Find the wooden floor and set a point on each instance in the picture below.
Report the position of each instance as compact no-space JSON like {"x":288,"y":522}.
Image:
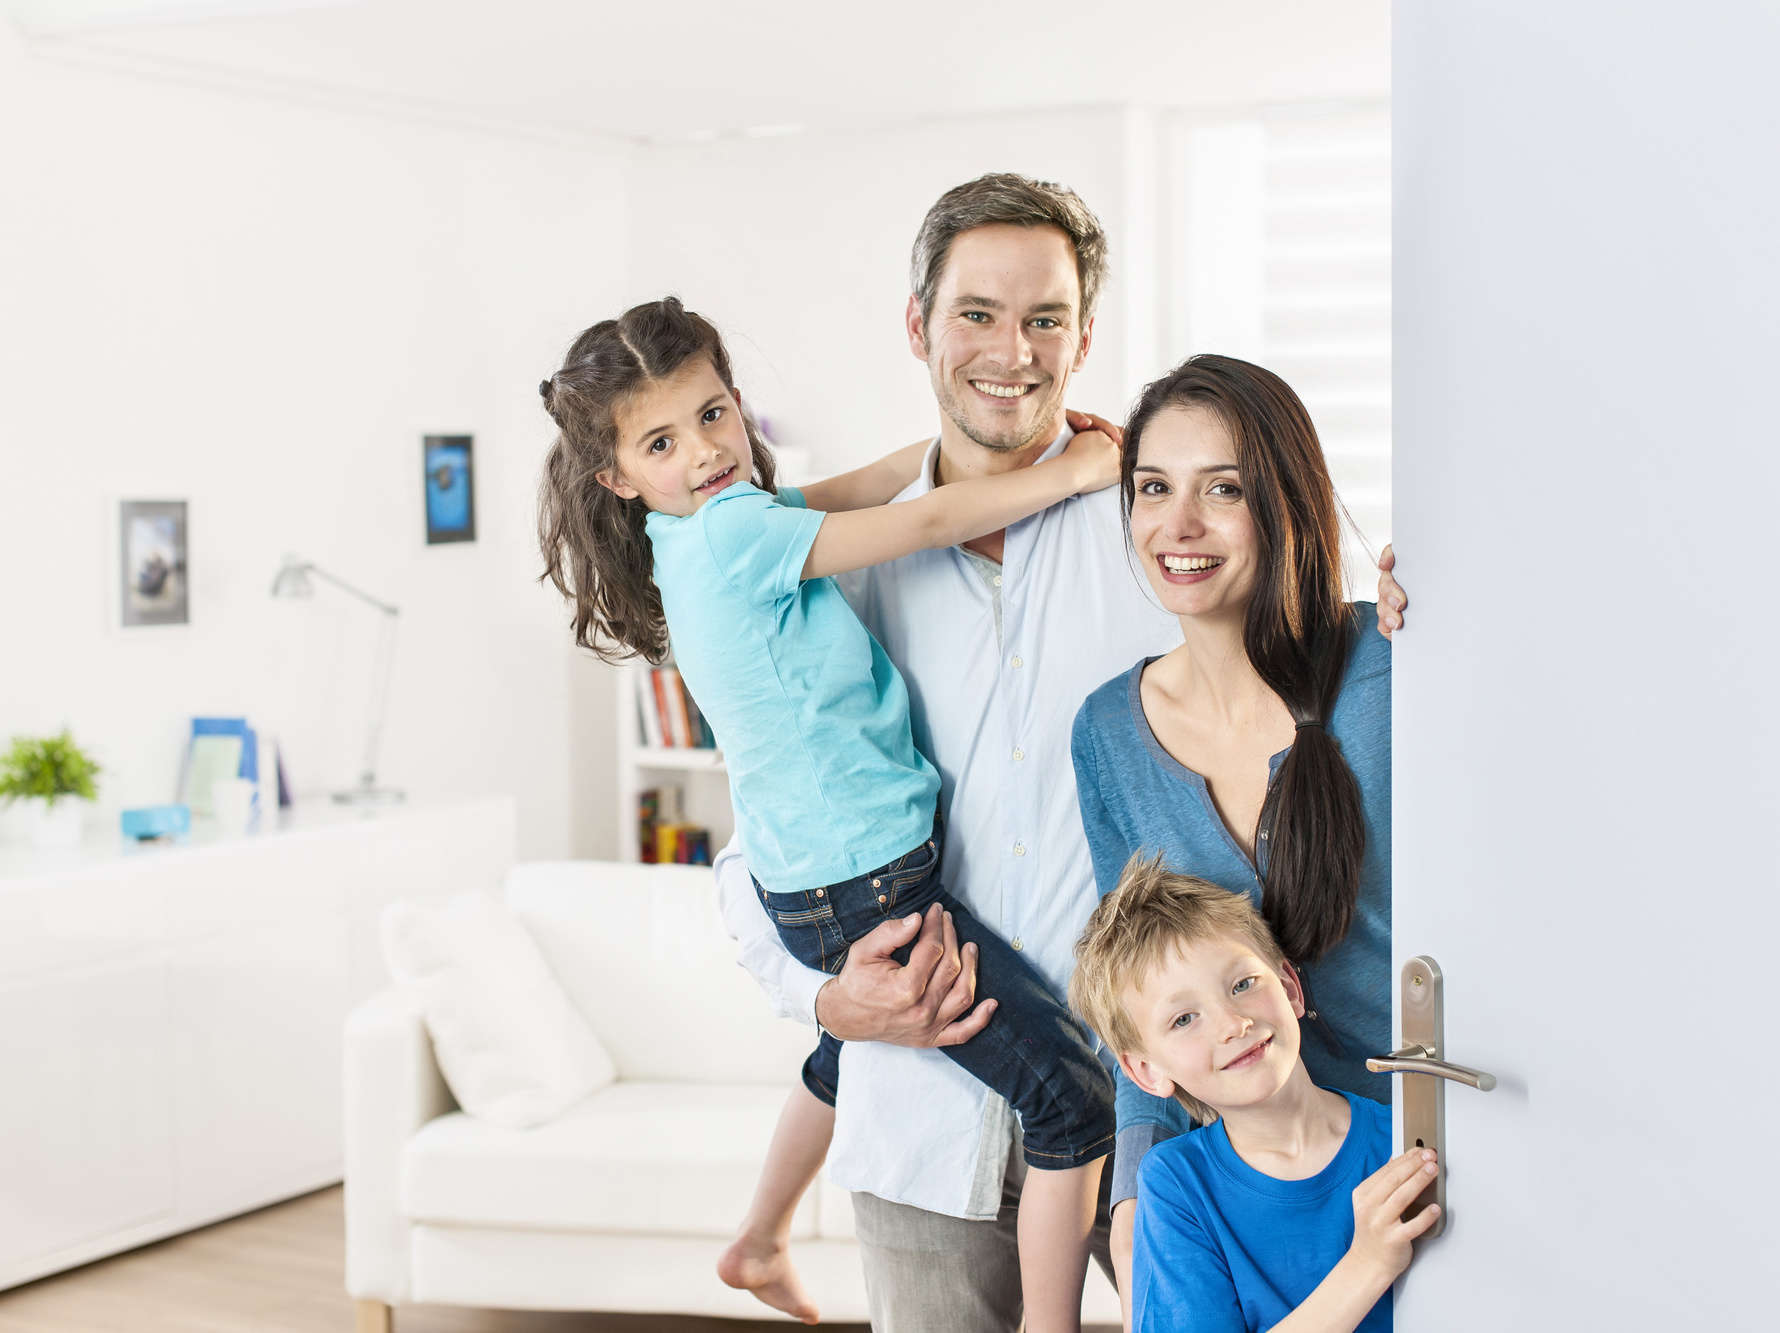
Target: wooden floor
{"x":280,"y":1270}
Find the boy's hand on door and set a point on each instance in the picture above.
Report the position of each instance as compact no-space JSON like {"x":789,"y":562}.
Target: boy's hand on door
{"x":1381,"y":1236}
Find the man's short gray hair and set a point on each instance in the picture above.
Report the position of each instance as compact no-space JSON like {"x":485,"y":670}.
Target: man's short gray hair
{"x":1005,"y":198}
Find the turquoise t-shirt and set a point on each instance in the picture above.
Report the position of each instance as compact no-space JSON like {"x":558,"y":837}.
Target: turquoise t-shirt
{"x":812,"y":717}
{"x":1223,"y":1248}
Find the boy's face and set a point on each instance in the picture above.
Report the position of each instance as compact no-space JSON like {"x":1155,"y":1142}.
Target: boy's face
{"x":1218,"y":1022}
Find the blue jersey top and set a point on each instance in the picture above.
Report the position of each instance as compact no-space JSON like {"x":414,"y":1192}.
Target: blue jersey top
{"x":812,"y":717}
{"x":1224,"y":1248}
{"x":1136,"y":797}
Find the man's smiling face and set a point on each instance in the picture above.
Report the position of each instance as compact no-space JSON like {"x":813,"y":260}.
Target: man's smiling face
{"x":1004,"y":335}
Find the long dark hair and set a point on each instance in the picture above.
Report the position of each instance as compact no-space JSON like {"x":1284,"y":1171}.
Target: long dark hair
{"x":595,"y":549}
{"x":1297,"y":634}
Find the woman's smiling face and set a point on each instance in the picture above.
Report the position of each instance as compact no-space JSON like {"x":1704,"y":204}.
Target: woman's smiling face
{"x":1190,"y":523}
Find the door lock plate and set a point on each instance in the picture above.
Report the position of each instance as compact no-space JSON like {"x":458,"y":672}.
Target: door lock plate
{"x":1424,"y":1090}
{"x":1424,"y":1098}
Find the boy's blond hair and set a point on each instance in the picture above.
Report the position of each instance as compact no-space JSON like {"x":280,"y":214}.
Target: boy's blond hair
{"x":1136,"y":927}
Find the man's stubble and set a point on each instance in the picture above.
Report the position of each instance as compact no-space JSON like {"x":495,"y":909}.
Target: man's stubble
{"x":1041,"y":430}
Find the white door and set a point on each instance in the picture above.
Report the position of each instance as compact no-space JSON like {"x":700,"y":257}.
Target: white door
{"x":1587,"y":710}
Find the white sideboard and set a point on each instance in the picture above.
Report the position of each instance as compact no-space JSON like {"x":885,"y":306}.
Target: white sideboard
{"x":171,"y":1015}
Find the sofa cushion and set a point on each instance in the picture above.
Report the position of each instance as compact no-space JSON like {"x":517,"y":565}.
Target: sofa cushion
{"x":642,"y":952}
{"x":669,"y":1158}
{"x":512,"y":1048}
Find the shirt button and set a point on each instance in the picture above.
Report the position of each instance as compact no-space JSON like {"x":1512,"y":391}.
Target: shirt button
{"x":1019,"y":662}
{"x":1019,"y":849}
{"x":1019,"y":753}
{"x":1017,"y":945}
{"x":1263,"y":835}
{"x":998,"y":580}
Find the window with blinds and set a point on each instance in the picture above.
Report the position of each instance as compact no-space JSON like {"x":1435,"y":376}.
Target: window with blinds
{"x":1284,"y":258}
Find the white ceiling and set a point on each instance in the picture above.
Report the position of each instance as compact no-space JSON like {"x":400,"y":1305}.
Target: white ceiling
{"x":693,"y":68}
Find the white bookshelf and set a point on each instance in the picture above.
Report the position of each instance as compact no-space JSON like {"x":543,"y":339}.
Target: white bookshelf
{"x":698,"y":773}
{"x":661,"y":756}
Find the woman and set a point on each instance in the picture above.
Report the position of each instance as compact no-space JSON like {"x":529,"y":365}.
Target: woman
{"x":1258,"y":753}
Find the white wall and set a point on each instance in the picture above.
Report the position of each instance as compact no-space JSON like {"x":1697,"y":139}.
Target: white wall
{"x":260,"y":308}
{"x":798,"y":248}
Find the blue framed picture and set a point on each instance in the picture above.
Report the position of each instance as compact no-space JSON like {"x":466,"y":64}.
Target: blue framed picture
{"x":450,"y":488}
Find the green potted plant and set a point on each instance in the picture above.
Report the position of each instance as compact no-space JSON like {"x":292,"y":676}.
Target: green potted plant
{"x":38,"y":776}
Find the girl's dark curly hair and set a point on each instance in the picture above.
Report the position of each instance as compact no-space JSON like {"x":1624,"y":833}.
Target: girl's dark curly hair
{"x":595,"y":549}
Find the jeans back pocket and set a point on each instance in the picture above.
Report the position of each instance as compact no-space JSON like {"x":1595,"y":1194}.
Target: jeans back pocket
{"x":910,"y":870}
{"x":807,"y":927}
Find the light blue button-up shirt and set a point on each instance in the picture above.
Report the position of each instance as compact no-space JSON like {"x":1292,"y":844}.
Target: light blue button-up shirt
{"x":994,"y":718}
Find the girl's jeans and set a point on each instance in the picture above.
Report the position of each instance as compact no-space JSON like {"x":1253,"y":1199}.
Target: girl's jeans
{"x":1032,"y":1052}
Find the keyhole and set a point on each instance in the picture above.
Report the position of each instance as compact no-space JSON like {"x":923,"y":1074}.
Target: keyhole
{"x":1420,"y":1144}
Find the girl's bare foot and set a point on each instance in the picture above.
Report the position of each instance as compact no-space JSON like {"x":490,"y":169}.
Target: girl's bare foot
{"x":764,"y":1267}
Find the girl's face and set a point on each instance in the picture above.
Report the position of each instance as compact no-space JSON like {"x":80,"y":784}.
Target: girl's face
{"x":680,"y":441}
{"x":1189,"y":523}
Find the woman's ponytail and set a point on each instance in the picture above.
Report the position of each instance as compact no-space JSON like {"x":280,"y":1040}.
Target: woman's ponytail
{"x":1311,"y":835}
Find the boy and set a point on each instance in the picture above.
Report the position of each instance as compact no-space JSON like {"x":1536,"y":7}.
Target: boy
{"x":1285,"y":1213}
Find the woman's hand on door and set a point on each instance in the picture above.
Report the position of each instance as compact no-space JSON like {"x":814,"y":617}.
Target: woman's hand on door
{"x":1391,"y":597}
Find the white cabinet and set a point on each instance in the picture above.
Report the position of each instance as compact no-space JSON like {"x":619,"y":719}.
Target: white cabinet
{"x":86,"y":1111}
{"x":171,"y":1016}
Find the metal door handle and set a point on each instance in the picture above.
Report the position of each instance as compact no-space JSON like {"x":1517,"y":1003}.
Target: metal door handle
{"x":1423,"y":1100}
{"x":1418,"y":1058}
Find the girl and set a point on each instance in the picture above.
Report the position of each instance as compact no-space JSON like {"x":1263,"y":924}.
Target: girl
{"x":1257,"y":754}
{"x":659,"y":517}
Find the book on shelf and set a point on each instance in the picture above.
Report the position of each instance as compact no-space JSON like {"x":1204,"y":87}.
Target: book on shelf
{"x":678,"y":718}
{"x":663,"y":838}
{"x":701,"y":730}
{"x":648,"y":813}
{"x":667,"y":715}
{"x":648,"y":716}
{"x":663,"y":718}
{"x":682,"y":844}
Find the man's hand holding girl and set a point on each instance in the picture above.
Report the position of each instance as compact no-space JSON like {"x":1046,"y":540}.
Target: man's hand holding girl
{"x":925,"y":1002}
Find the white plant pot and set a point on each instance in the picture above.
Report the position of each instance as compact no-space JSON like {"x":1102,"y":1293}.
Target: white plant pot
{"x":48,"y":825}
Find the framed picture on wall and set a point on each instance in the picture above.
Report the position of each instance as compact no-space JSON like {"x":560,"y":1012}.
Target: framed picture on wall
{"x":153,"y":573}
{"x":450,"y":488}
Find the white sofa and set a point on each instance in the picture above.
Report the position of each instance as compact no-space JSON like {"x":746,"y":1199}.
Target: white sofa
{"x":624,"y":1202}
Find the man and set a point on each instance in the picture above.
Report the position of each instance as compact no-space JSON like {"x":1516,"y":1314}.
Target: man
{"x":999,"y":643}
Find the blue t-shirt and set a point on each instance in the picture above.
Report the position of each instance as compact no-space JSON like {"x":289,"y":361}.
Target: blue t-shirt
{"x":1136,"y":797}
{"x":812,"y":717}
{"x":1224,"y":1248}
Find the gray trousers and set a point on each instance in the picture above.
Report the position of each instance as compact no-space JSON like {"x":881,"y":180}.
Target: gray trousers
{"x":930,"y":1273}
